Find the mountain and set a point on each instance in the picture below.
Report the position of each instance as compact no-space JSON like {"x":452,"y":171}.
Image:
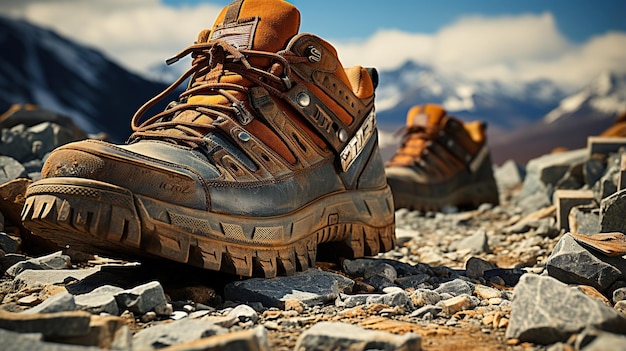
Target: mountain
{"x":40,"y":67}
{"x":503,"y":107}
{"x":587,"y":112}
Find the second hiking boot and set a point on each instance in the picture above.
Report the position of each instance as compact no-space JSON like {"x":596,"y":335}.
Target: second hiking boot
{"x":441,"y":162}
{"x":270,"y":151}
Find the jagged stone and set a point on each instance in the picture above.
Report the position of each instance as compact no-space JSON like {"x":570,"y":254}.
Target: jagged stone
{"x":455,"y":287}
{"x":572,"y":263}
{"x":608,"y":183}
{"x":246,"y":340}
{"x":393,"y":299}
{"x":367,"y":268}
{"x":12,"y":341}
{"x":99,"y":300}
{"x":422,"y":297}
{"x":105,"y":332}
{"x":10,"y":169}
{"x":485,"y":292}
{"x":457,"y":303}
{"x":612,"y":210}
{"x":244,"y":313}
{"x":142,"y":298}
{"x":544,"y":172}
{"x":477,"y":243}
{"x":53,"y":261}
{"x":33,"y":278}
{"x":475,"y":267}
{"x":343,"y":336}
{"x":59,"y":324}
{"x":177,"y":332}
{"x":584,"y":219}
{"x":9,"y":243}
{"x":312,"y":287}
{"x":509,"y":175}
{"x":545,"y":311}
{"x":61,"y":302}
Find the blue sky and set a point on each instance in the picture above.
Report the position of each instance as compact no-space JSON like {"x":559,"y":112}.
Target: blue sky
{"x":567,"y":41}
{"x":577,"y":19}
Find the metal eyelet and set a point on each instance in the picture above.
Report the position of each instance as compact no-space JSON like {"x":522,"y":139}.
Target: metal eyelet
{"x":303,"y":99}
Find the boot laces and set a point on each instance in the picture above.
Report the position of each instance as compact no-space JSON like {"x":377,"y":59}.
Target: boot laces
{"x":212,"y":60}
{"x":414,"y":144}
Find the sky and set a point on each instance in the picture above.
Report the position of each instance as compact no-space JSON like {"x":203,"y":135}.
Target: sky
{"x":567,"y":41}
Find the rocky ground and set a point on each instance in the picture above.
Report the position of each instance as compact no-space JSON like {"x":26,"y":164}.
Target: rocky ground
{"x":530,"y":273}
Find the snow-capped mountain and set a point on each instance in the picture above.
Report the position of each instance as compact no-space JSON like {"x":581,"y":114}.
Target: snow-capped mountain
{"x":40,"y":67}
{"x":502,"y":106}
{"x":603,"y":97}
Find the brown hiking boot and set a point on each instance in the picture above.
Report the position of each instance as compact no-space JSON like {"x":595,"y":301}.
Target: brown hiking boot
{"x":442,"y":162}
{"x":270,"y":151}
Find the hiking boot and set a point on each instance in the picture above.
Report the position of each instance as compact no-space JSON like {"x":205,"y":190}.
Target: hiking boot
{"x":441,"y":162}
{"x":271,"y":150}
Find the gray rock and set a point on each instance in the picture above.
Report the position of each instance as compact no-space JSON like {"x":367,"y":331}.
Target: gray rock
{"x":246,"y":340}
{"x":592,"y":339}
{"x":422,"y":311}
{"x":13,"y":143}
{"x":476,"y":267}
{"x":10,"y":169}
{"x":57,"y":303}
{"x":392,"y":299}
{"x":544,"y":172}
{"x":367,"y":268}
{"x":572,"y":263}
{"x":412,"y":281}
{"x":509,"y":175}
{"x":53,"y":261}
{"x":585,"y":219}
{"x":477,"y":243}
{"x":59,"y":324}
{"x":456,"y":287}
{"x":593,"y":169}
{"x":379,"y":282}
{"x":244,"y":313}
{"x":9,"y":243}
{"x":142,"y":298}
{"x":177,"y":332}
{"x":12,"y":341}
{"x":423,"y":297}
{"x":545,"y":311}
{"x":8,"y":260}
{"x":33,"y":278}
{"x":343,"y":336}
{"x":99,"y":300}
{"x":619,"y":294}
{"x":607,"y":184}
{"x":612,"y":210}
{"x":312,"y":287}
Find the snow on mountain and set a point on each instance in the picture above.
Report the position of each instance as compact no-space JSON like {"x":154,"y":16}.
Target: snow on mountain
{"x":504,"y":106}
{"x":604,"y":96}
{"x":40,"y":67}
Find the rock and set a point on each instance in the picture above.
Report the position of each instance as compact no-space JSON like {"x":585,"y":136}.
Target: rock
{"x":52,"y":261}
{"x":393,"y":299}
{"x":10,"y":169}
{"x":545,"y":311}
{"x":504,"y":276}
{"x":367,"y":268}
{"x":585,"y":219}
{"x":484,"y":292}
{"x":343,"y":336}
{"x":592,"y":339}
{"x":509,"y":175}
{"x":177,"y":332}
{"x":312,"y":287}
{"x":142,"y":298}
{"x":245,"y":340}
{"x":457,"y":303}
{"x":58,"y":303}
{"x":412,"y":281}
{"x":99,"y":300}
{"x":572,"y":263}
{"x":105,"y":332}
{"x":59,"y":324}
{"x":32,"y":278}
{"x":426,"y":309}
{"x":612,"y":210}
{"x":456,"y":287}
{"x":244,"y":313}
{"x":423,"y":297}
{"x":477,"y":243}
{"x":476,"y":267}
{"x":12,"y":341}
{"x":9,"y":243}
{"x":619,"y":294}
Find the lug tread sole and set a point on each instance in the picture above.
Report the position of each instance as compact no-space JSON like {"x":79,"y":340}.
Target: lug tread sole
{"x":93,"y":216}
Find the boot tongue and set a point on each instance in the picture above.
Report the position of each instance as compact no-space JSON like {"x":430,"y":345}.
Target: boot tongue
{"x":264,"y":25}
{"x":425,"y":116}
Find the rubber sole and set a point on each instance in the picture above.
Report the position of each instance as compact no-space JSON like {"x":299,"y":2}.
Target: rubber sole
{"x":98,"y":217}
{"x":468,"y":196}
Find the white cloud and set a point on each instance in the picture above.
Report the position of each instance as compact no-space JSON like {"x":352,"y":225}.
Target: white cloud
{"x":140,"y":33}
{"x":509,"y":48}
{"x":136,"y":33}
